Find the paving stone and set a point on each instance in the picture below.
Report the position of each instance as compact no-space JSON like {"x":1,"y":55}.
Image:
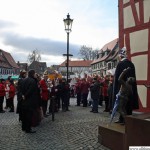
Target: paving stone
{"x":76,"y":129}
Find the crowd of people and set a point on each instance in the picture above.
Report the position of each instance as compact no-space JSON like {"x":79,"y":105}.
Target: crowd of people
{"x":35,"y":94}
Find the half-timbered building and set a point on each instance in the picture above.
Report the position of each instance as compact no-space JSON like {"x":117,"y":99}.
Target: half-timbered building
{"x":8,"y":66}
{"x":134,"y":33}
{"x":107,"y":58}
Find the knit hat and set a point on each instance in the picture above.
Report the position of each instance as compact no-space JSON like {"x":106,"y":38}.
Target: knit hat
{"x":123,"y":52}
{"x":23,"y":71}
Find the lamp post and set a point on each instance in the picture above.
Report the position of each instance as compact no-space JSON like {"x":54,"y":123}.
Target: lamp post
{"x":68,"y":25}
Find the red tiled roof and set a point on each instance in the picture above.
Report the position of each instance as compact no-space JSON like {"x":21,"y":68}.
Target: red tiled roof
{"x":10,"y":59}
{"x":77,"y":63}
{"x":100,"y":59}
{"x":110,"y":45}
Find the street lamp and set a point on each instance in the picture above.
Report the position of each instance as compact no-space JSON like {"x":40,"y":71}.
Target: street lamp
{"x":68,"y":25}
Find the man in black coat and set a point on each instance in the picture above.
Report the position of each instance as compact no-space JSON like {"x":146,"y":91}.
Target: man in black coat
{"x":123,"y":64}
{"x":30,"y":101}
{"x":95,"y":93}
{"x":19,"y":93}
{"x":64,"y":94}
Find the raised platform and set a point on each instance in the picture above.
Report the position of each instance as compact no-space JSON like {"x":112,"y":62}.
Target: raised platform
{"x":136,"y":132}
{"x":112,"y":136}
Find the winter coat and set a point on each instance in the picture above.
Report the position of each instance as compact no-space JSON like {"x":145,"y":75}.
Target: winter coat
{"x":84,"y":87}
{"x":12,"y":91}
{"x":2,"y":90}
{"x":44,"y":90}
{"x":64,"y":89}
{"x":30,"y":92}
{"x":95,"y":91}
{"x":105,"y":88}
{"x":19,"y":89}
{"x":78,"y":88}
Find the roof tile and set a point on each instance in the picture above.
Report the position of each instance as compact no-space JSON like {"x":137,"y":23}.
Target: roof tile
{"x":78,"y":63}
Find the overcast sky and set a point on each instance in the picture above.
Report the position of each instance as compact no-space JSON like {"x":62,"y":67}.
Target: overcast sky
{"x":26,"y":25}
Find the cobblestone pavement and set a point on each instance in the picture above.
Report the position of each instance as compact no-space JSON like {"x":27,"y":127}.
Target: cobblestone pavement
{"x":76,"y":129}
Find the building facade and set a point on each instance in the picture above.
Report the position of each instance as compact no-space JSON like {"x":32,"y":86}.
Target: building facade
{"x":107,"y":59}
{"x":8,"y":66}
{"x":39,"y":67}
{"x":22,"y":66}
{"x":77,"y":67}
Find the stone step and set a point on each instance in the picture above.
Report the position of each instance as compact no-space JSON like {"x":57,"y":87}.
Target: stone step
{"x":136,"y":132}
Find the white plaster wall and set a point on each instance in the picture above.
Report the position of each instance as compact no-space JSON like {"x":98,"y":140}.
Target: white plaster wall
{"x":146,"y":10}
{"x":125,"y":1}
{"x":141,"y":66}
{"x":137,"y":10}
{"x":139,"y":41}
{"x":128,"y":17}
{"x":142,"y":92}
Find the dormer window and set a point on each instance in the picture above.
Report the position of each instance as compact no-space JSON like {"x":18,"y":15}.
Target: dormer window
{"x":108,"y":51}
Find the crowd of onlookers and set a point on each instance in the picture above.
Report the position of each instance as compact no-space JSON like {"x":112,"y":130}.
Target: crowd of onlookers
{"x":94,"y":91}
{"x":39,"y":96}
{"x":35,"y":94}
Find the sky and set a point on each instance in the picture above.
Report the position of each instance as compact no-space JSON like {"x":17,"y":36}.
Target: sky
{"x":27,"y":25}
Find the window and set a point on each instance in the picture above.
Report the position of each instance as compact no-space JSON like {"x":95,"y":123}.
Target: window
{"x":109,"y":65}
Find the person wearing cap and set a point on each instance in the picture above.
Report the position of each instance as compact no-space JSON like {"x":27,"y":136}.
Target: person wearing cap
{"x":124,"y":63}
{"x":2,"y":94}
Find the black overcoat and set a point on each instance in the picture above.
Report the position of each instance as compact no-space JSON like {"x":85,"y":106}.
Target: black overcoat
{"x":30,"y":91}
{"x":95,"y":91}
{"x":125,"y":63}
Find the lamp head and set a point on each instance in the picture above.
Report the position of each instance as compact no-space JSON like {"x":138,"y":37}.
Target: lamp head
{"x":68,"y":23}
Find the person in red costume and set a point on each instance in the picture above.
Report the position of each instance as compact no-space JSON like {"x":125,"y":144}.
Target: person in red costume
{"x":44,"y":92}
{"x":12,"y":91}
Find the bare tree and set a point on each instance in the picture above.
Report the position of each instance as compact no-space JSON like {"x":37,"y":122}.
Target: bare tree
{"x":34,"y":56}
{"x":87,"y":53}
